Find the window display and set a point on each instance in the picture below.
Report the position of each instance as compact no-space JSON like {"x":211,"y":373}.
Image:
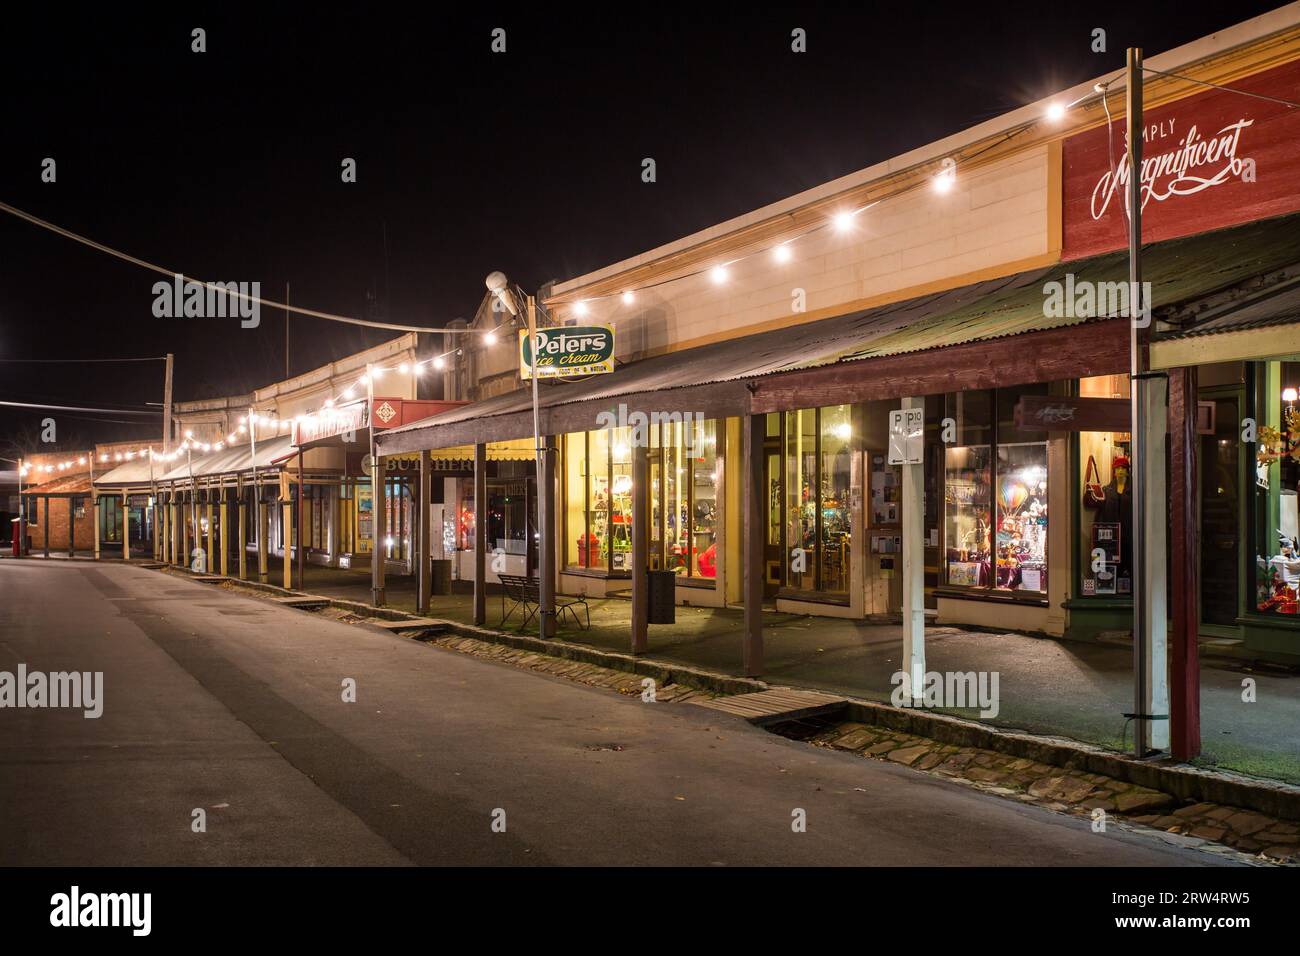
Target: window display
{"x":682,"y":499}
{"x":1276,"y":496}
{"x":818,"y":518}
{"x":966,"y":515}
{"x":1022,"y":517}
{"x":1106,"y":509}
{"x":995,"y":496}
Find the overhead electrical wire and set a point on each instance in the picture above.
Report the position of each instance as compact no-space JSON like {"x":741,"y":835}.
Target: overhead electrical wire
{"x":134,"y":260}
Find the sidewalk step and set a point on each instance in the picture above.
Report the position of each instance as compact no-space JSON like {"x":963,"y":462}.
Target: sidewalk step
{"x":207,"y":578}
{"x":778,"y":704}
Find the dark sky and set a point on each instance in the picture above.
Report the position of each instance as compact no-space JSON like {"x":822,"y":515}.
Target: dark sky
{"x":226,"y":164}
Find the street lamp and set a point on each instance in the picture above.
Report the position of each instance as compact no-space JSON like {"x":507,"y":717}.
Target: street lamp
{"x":499,"y":286}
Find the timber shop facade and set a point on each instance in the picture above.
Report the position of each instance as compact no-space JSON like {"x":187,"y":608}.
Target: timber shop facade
{"x":743,"y":439}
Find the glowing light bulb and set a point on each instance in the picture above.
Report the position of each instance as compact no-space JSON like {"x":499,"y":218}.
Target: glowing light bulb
{"x":439,"y":362}
{"x":580,"y":308}
{"x":489,"y":337}
{"x":403,"y":368}
{"x":782,"y":253}
{"x":347,"y":394}
{"x":1289,"y":394}
{"x":628,"y":298}
{"x":1056,"y":112}
{"x":718,"y":274}
{"x":843,"y":221}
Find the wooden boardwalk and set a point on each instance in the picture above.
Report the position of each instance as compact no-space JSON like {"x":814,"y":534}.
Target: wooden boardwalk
{"x":778,"y":704}
{"x":304,"y":602}
{"x":409,"y":624}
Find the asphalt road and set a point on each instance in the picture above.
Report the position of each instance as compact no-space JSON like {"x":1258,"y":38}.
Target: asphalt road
{"x":234,"y":705}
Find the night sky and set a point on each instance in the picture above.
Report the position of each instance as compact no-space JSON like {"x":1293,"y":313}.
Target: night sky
{"x":226,"y":164}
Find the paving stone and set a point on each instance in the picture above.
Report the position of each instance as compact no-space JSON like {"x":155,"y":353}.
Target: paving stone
{"x":1282,"y":839}
{"x":1142,"y":801}
{"x":985,"y":775}
{"x":1286,"y":853}
{"x":1245,"y":824}
{"x":1220,"y":813}
{"x":1209,"y":833}
{"x":1020,"y":763}
{"x":1095,"y":803}
{"x":882,"y":748}
{"x":853,"y":740}
{"x":908,"y":755}
{"x":1165,"y":822}
{"x":929,"y":760}
{"x":1063,"y":788}
{"x":1196,"y":809}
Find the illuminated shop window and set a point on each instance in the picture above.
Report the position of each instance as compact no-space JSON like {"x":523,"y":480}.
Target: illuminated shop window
{"x":818,"y":518}
{"x":995,"y":496}
{"x":1275,"y":519}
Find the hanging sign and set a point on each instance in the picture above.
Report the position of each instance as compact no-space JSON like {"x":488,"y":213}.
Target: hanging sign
{"x":907,"y":436}
{"x":568,"y":352}
{"x":1051,"y":413}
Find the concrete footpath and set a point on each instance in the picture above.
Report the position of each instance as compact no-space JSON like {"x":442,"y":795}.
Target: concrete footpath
{"x":234,"y":705}
{"x":1062,"y":688}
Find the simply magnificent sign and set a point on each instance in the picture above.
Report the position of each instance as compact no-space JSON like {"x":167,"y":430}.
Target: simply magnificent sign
{"x":1209,"y":160}
{"x":569,"y":351}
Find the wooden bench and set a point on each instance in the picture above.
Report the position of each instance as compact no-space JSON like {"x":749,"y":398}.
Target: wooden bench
{"x":525,"y":595}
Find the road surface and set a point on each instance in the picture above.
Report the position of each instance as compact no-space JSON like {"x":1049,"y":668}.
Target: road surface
{"x":233,"y":705}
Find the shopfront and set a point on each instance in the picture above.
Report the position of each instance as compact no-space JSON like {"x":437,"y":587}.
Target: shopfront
{"x":685,"y":497}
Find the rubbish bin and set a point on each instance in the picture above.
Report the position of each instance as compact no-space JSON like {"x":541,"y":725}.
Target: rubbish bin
{"x":663,"y":592}
{"x":440,"y":576}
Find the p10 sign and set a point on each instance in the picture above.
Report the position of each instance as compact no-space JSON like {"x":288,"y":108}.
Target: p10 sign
{"x":1210,"y":160}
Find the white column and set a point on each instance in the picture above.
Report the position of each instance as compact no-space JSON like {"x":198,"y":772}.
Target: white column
{"x":1155,"y":529}
{"x":913,"y":507}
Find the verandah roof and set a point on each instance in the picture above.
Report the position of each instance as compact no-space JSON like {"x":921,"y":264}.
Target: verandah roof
{"x":844,"y":358}
{"x":233,"y":461}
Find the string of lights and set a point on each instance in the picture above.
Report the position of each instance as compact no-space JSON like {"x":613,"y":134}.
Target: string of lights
{"x":841,"y":221}
{"x":942,"y":181}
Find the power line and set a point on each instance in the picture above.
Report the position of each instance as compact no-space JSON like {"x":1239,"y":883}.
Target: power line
{"x":1226,"y":89}
{"x":27,"y":361}
{"x":221,"y":289}
{"x":80,"y":408}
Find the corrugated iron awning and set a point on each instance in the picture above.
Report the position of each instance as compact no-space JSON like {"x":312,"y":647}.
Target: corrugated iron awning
{"x":713,"y":379}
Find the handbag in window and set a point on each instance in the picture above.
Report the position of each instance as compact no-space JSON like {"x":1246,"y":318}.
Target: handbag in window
{"x":1094,"y":493}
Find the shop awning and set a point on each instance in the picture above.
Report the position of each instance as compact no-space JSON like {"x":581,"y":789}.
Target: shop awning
{"x":1260,"y":320}
{"x":986,"y":334}
{"x":232,"y":461}
{"x":137,"y":473}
